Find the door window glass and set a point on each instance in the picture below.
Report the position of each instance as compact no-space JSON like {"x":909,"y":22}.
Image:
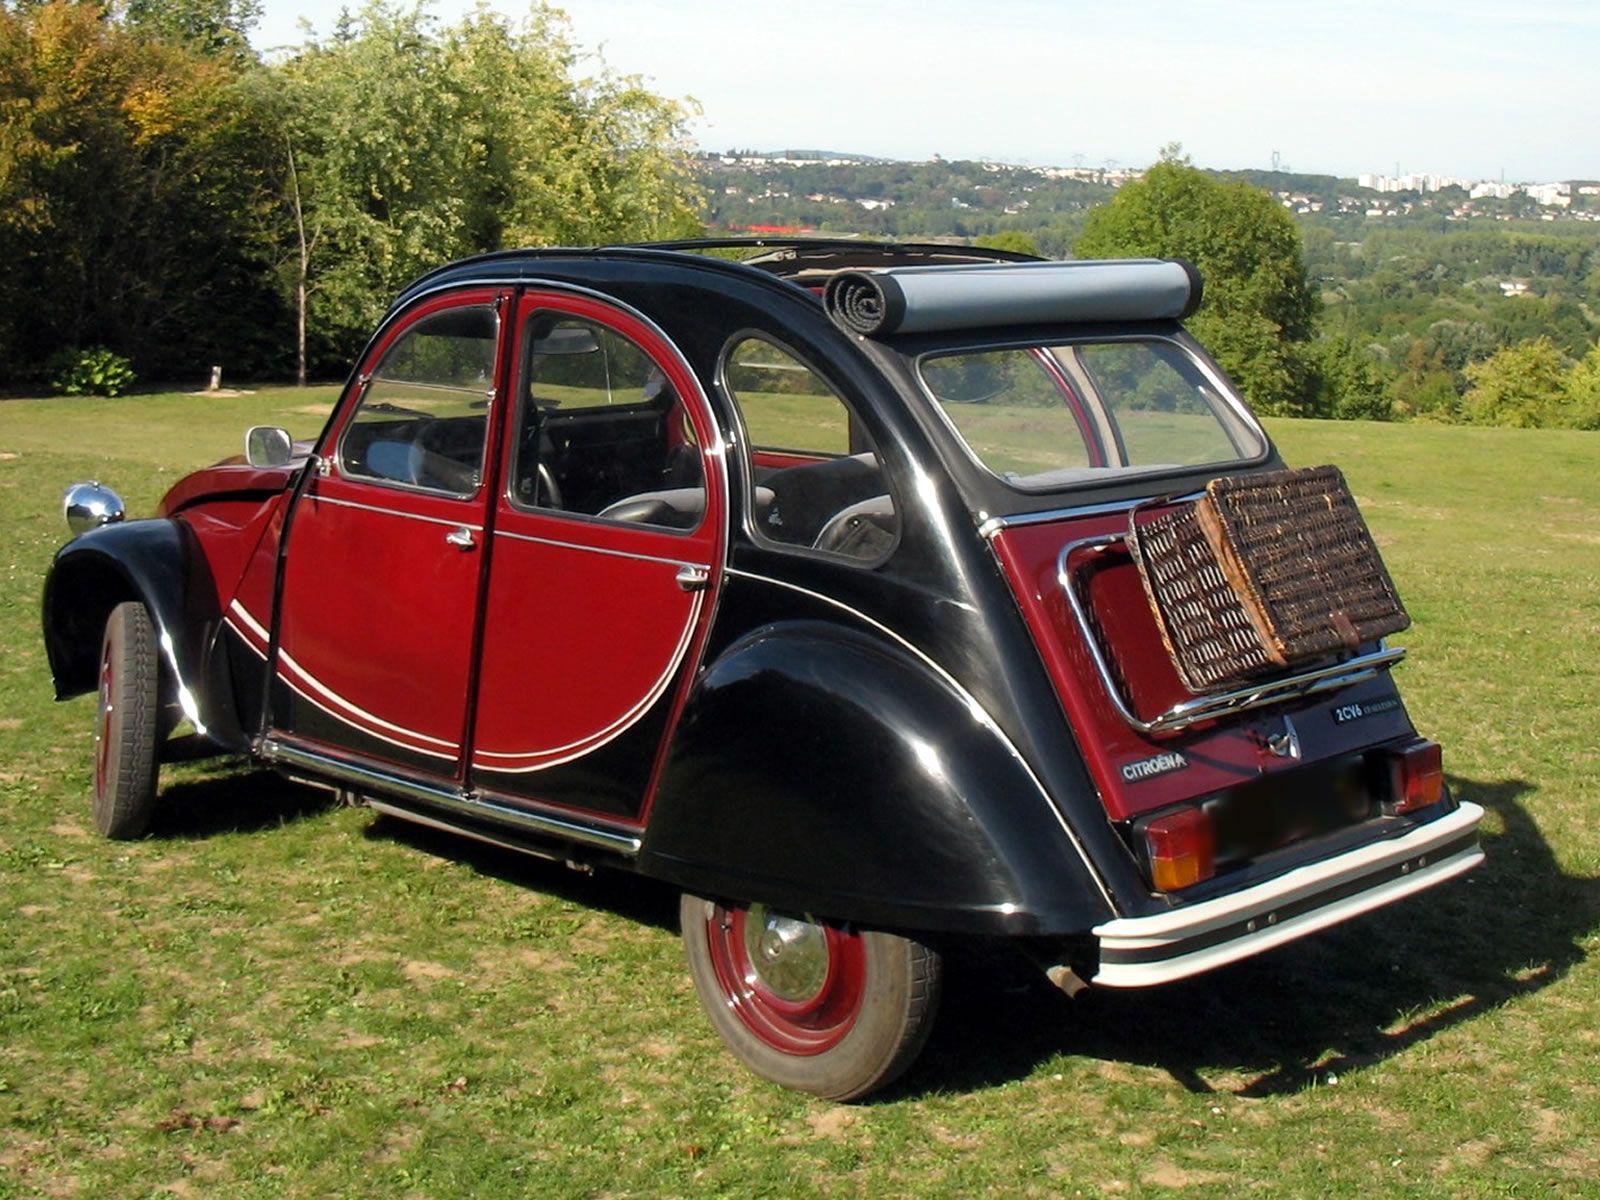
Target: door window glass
{"x":603,"y":433}
{"x":425,"y":410}
{"x":818,"y":482}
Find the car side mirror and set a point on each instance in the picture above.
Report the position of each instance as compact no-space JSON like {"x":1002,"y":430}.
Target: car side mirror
{"x":268,"y":446}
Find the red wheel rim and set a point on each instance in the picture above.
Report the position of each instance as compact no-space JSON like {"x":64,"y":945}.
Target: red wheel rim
{"x":102,"y":729}
{"x":794,"y":983}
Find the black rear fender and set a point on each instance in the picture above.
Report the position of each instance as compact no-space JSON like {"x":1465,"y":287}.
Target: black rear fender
{"x":831,"y":772}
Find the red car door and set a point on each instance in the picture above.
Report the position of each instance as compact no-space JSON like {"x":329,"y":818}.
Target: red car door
{"x":386,"y":547}
{"x":608,"y":540}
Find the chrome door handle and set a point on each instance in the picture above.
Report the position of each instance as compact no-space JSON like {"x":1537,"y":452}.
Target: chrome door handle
{"x":693,"y":579}
{"x":461,"y":538}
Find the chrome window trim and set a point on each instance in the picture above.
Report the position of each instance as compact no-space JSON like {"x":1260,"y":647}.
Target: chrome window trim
{"x":995,"y":525}
{"x":1114,"y":475}
{"x":1207,"y":708}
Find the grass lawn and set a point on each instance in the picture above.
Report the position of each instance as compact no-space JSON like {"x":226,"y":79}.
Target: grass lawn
{"x":274,"y":996}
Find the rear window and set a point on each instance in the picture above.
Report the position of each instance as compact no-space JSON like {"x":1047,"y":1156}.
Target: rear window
{"x":1051,"y":415}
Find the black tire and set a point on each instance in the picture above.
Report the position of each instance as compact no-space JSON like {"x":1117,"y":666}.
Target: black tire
{"x":127,"y":724}
{"x":816,"y":1007}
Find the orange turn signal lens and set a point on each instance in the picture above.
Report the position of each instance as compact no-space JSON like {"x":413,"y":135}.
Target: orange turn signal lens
{"x":1418,"y":774}
{"x":1181,"y":848}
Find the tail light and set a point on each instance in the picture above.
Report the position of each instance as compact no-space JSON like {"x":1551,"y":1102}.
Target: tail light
{"x":1180,"y":848}
{"x":1417,"y":775}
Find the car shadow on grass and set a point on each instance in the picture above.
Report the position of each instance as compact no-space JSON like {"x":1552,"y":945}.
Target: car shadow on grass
{"x":1309,"y":1012}
{"x":234,"y":797}
{"x":633,"y":897}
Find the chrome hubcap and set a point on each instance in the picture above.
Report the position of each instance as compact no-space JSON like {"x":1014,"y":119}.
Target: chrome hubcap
{"x":789,"y":954}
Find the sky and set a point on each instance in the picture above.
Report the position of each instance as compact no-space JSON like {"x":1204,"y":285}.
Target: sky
{"x":1475,"y":89}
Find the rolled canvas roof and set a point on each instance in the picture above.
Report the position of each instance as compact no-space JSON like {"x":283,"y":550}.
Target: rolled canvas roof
{"x":923,"y":299}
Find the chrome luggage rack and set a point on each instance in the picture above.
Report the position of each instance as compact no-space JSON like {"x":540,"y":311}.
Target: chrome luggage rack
{"x":1208,"y":708}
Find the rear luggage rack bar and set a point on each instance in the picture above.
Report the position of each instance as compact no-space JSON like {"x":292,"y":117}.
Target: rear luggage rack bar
{"x":1208,"y":708}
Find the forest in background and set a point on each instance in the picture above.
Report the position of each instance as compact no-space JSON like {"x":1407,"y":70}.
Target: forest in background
{"x":169,"y":198}
{"x":170,"y":201}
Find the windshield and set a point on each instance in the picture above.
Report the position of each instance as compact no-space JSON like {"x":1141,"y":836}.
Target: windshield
{"x":1047,"y":416}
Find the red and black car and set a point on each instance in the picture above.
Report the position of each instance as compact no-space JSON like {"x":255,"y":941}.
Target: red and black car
{"x":874,"y":596}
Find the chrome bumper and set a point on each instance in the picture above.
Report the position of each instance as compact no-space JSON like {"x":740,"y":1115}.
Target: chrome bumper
{"x":1141,"y":951}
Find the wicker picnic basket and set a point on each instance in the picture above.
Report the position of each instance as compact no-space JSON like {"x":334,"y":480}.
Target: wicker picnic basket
{"x":1262,"y":573}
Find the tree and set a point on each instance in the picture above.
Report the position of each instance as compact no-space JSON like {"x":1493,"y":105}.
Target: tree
{"x":404,"y":147}
{"x":1259,"y":307}
{"x":1524,"y":386}
{"x":130,"y":171}
{"x":1582,"y":387}
{"x":1350,"y":382}
{"x":215,"y":27}
{"x":1010,"y":239}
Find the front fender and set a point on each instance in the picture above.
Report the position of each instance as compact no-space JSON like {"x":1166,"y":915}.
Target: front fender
{"x":154,"y":561}
{"x":832,"y":772}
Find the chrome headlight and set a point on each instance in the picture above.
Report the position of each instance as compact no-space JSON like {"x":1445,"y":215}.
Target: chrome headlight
{"x":90,"y":505}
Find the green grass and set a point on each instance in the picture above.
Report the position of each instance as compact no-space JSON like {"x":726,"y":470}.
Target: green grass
{"x":274,"y":996}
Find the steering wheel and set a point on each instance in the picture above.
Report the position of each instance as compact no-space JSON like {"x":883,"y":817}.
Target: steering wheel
{"x":546,"y":492}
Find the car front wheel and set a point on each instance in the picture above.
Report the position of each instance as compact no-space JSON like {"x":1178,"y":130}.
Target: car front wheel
{"x":818,"y":1007}
{"x":127,"y":723}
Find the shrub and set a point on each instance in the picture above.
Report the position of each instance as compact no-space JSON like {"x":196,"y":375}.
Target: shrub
{"x":95,"y":371}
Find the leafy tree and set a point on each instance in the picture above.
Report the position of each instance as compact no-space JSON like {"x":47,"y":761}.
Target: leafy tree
{"x":130,"y":169}
{"x":404,"y":147}
{"x":218,"y":27}
{"x":1583,"y":392}
{"x":1010,"y":239}
{"x":1522,"y":386}
{"x":1350,"y":381}
{"x":1259,"y":309}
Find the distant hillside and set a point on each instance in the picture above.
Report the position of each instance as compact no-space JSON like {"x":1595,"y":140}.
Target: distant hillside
{"x":838,"y":192}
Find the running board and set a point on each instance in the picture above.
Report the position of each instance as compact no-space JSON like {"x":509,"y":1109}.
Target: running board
{"x":429,"y":804}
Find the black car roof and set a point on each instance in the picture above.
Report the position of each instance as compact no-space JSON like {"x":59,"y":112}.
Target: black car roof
{"x":806,"y":262}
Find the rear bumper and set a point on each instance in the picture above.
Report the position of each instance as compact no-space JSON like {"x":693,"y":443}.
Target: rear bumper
{"x":1141,"y":951}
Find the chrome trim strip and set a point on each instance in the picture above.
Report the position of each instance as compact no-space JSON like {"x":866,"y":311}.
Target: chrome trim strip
{"x":562,"y":545}
{"x":276,"y":750}
{"x":318,"y":498}
{"x":1185,"y":941}
{"x":994,"y":525}
{"x":567,"y":828}
{"x":411,"y":815}
{"x":977,"y":710}
{"x":1207,"y":708}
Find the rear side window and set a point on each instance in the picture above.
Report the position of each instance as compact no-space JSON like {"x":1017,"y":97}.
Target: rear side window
{"x":785,"y":404}
{"x":817,"y":481}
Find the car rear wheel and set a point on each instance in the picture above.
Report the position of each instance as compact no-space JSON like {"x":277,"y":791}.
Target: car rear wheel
{"x":127,"y":724}
{"x":818,"y":1007}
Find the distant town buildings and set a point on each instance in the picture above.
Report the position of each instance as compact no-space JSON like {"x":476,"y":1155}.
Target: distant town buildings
{"x":1550,"y":195}
{"x":1373,"y":195}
